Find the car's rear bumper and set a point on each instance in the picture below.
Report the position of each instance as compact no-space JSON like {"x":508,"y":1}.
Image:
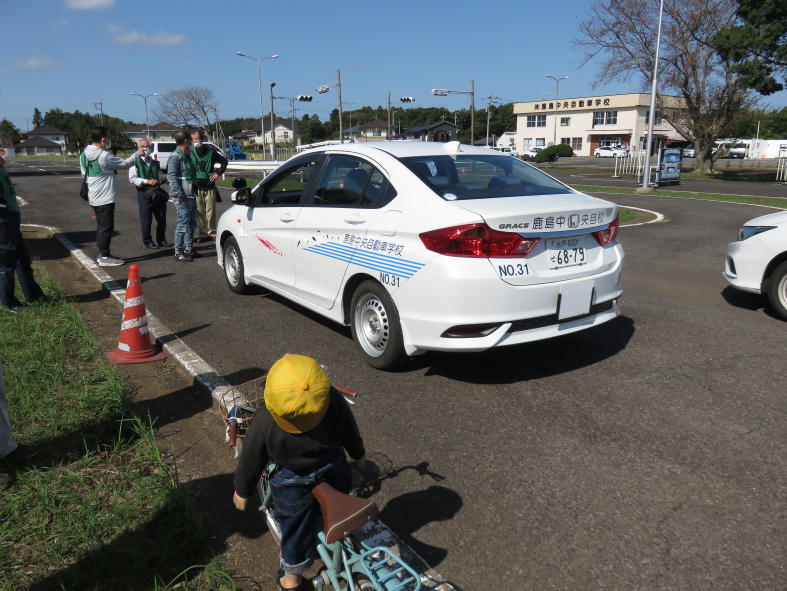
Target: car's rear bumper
{"x":515,"y":314}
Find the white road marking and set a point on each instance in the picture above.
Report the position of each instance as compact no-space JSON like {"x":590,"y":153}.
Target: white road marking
{"x":659,"y":217}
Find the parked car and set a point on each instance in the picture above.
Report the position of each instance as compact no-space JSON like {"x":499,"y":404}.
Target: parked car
{"x":506,"y":150}
{"x":161,"y":151}
{"x":395,"y":241}
{"x":610,"y":152}
{"x":757,"y":262}
{"x":531,"y":153}
{"x":689,"y":151}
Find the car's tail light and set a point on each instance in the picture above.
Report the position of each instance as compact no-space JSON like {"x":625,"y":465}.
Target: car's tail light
{"x":607,"y":235}
{"x":477,"y":240}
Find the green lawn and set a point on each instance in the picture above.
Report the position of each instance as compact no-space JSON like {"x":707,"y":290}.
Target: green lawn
{"x":91,"y":505}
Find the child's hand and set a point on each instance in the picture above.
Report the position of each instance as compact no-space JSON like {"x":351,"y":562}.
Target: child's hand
{"x":239,"y":502}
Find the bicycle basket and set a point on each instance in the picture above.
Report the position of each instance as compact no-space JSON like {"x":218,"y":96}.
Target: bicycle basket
{"x":246,"y":399}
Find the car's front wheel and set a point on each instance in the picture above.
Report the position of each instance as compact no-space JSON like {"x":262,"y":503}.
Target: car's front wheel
{"x":375,"y":326}
{"x":777,"y":290}
{"x":233,"y":267}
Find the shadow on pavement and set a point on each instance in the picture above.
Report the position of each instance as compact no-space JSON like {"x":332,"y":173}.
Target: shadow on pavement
{"x":530,"y":361}
{"x":748,"y":301}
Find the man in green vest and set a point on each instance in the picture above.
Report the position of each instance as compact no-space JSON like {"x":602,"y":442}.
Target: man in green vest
{"x":144,"y":175}
{"x":13,"y":253}
{"x":205,"y":158}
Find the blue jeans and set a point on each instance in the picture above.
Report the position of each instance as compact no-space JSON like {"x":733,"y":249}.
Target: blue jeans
{"x":184,"y":226}
{"x":298,"y":512}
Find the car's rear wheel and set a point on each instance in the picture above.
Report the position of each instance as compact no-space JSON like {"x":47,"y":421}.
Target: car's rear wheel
{"x":233,"y":267}
{"x":375,"y":326}
{"x":777,"y":290}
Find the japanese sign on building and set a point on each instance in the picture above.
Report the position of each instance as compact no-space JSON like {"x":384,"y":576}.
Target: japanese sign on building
{"x":586,"y":103}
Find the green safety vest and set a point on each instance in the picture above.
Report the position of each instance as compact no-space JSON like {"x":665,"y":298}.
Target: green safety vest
{"x":7,"y":191}
{"x":203,"y":165}
{"x":188,"y":166}
{"x":92,"y":167}
{"x":148,"y":171}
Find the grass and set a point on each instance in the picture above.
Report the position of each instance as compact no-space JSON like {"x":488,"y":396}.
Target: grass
{"x":626,"y":215}
{"x":767,"y":201}
{"x":91,"y":505}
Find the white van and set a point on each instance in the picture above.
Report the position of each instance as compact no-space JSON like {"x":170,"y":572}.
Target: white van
{"x":161,"y":151}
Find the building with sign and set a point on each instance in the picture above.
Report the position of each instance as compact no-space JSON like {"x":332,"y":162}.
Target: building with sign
{"x":587,"y":122}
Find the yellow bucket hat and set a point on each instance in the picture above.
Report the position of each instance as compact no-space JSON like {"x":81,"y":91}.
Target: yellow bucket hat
{"x":297,"y":391}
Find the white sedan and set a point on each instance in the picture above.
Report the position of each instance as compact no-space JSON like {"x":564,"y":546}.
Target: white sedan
{"x":422,"y":246}
{"x":757,"y":262}
{"x":609,"y":152}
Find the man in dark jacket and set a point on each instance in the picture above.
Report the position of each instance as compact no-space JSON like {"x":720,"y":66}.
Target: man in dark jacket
{"x":205,"y":158}
{"x":304,"y":428}
{"x":144,"y":175}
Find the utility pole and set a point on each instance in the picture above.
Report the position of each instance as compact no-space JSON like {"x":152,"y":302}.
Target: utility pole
{"x":652,"y":114}
{"x":273,"y":126}
{"x":339,"y":89}
{"x":557,"y":96}
{"x":100,"y":106}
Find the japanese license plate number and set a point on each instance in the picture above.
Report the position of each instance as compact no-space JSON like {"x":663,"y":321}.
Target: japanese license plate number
{"x":566,"y":252}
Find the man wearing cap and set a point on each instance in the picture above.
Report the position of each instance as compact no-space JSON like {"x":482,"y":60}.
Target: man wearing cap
{"x":305,"y":431}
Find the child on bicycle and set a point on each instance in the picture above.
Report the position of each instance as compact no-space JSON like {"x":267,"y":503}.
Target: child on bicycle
{"x":307,"y":427}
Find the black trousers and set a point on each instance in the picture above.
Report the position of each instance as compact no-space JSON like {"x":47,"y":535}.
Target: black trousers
{"x":149,"y":211}
{"x":105,"y":225}
{"x":15,"y":259}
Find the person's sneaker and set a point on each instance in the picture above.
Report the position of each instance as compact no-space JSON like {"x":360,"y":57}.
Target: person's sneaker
{"x":193,"y":254}
{"x":110,"y":262}
{"x":184,"y":258}
{"x":164,"y":244}
{"x":150,"y":244}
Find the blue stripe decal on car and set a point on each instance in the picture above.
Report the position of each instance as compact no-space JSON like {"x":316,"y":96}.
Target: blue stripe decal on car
{"x":369,"y":260}
{"x":546,"y":235}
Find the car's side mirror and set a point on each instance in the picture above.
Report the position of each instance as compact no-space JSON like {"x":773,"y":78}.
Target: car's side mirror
{"x":239,"y":182}
{"x":241,"y":196}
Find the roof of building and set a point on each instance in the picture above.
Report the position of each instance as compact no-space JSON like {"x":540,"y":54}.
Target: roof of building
{"x":46,"y":130}
{"x":279,"y":122}
{"x":374,"y":123}
{"x":244,"y":133}
{"x":38,"y":142}
{"x":160,"y":126}
{"x":421,"y":128}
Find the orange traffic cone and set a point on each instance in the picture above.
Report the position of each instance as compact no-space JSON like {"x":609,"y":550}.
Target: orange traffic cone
{"x":134,"y":343}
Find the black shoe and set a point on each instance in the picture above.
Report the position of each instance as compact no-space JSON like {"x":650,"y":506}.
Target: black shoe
{"x":150,"y":244}
{"x":193,"y":254}
{"x":164,"y":244}
{"x":184,"y":258}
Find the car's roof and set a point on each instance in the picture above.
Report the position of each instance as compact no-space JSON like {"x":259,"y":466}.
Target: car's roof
{"x":405,"y":149}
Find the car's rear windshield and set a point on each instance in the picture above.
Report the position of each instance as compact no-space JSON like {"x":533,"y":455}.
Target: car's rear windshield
{"x":167,"y":147}
{"x":481,"y":177}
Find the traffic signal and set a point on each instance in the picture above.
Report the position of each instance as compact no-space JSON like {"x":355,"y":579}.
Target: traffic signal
{"x":407,"y":99}
{"x":304,"y":98}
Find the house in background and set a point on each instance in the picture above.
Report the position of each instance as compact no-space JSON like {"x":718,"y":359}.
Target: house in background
{"x":506,"y":140}
{"x":159,"y":132}
{"x":38,"y":146}
{"x":283,"y":132}
{"x":374,"y":131}
{"x":442,"y":131}
{"x":47,"y":132}
{"x":245,"y":137}
{"x":6,"y":147}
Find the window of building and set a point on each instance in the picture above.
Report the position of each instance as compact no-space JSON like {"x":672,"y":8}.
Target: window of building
{"x":536,"y":120}
{"x":565,"y":121}
{"x":576,"y":143}
{"x":540,"y":142}
{"x":656,"y":120}
{"x":377,"y":132}
{"x":285,"y":134}
{"x":565,"y":140}
{"x":611,"y":117}
{"x":605,"y":118}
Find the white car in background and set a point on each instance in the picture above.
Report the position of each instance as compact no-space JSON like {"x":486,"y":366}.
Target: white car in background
{"x":420,"y":246}
{"x":610,"y":152}
{"x":757,"y":262}
{"x":531,"y":153}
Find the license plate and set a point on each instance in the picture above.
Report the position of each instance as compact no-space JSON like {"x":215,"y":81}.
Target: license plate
{"x":565,"y":252}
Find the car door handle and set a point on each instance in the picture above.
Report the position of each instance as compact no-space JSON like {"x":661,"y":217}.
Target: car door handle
{"x":287,"y":218}
{"x":355,"y":219}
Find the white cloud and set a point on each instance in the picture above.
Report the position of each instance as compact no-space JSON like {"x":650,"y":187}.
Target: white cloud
{"x":89,"y":4}
{"x":136,"y":38}
{"x":37,"y":62}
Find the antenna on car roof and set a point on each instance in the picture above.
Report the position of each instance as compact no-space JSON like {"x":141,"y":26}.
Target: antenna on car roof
{"x":452,"y":147}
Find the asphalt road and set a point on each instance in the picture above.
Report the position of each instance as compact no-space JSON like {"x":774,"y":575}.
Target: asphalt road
{"x":647,"y":453}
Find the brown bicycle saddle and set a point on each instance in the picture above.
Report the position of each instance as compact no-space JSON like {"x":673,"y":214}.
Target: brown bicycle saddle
{"x":342,"y":514}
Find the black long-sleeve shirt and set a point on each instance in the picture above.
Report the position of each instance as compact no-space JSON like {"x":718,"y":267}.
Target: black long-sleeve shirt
{"x":265,"y":441}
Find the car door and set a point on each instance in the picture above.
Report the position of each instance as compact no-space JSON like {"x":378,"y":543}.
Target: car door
{"x":270,"y":223}
{"x":331,"y":229}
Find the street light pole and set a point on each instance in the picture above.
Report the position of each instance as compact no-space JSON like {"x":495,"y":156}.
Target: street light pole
{"x":471,"y":92}
{"x":557,"y":96}
{"x":273,"y":126}
{"x":489,"y":101}
{"x":325,"y":88}
{"x":147,"y":121}
{"x":651,"y":115}
{"x":259,"y":87}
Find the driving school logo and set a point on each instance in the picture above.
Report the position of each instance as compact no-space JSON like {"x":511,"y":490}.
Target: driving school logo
{"x":573,"y":220}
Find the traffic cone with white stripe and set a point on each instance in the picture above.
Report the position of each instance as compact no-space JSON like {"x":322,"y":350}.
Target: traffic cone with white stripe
{"x":134,"y":341}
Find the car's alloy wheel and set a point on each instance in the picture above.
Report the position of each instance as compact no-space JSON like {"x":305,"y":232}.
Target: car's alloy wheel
{"x":233,"y":267}
{"x":375,"y":326}
{"x":777,"y":290}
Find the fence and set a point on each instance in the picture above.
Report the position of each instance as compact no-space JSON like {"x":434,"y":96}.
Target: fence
{"x":781,"y":166}
{"x":632,"y":165}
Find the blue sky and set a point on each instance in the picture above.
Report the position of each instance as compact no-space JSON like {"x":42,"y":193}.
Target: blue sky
{"x":73,"y":53}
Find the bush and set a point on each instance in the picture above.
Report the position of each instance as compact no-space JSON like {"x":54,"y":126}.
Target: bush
{"x":552,"y":153}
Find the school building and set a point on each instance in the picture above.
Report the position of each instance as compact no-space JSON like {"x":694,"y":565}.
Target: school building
{"x":587,"y":122}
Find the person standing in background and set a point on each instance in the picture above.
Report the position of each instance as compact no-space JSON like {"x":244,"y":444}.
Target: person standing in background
{"x":205,"y":158}
{"x":144,"y":175}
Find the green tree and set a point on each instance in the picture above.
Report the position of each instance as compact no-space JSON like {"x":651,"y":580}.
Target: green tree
{"x":38,"y":121}
{"x":11,"y":131}
{"x":757,"y":45}
{"x":78,"y":127}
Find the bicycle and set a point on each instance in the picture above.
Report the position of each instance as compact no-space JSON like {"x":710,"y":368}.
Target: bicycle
{"x":349,"y":563}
